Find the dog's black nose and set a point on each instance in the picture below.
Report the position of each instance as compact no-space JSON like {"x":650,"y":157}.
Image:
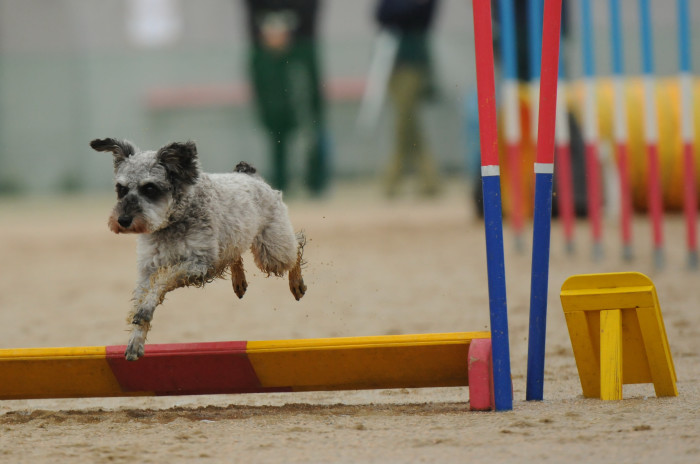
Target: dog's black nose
{"x":124,"y":221}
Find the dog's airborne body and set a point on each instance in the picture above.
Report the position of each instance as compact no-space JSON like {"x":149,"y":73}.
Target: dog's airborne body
{"x":195,"y":226}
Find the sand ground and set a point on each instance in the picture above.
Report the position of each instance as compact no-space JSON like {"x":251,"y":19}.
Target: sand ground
{"x":374,"y":267}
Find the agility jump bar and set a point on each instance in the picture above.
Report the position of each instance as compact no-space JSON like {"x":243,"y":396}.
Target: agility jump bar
{"x":351,"y":363}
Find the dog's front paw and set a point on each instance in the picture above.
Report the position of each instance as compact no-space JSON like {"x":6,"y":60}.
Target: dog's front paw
{"x":134,"y":351}
{"x":135,"y":348}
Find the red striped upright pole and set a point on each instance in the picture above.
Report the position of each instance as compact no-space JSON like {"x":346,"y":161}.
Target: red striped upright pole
{"x":544,"y":171}
{"x":590,"y":131}
{"x":651,"y":134}
{"x":493,"y":216}
{"x":565,"y":182}
{"x":620,"y":129}
{"x":511,"y":118}
{"x":690,"y":203}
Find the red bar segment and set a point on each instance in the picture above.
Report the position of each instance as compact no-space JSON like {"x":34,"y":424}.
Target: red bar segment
{"x":655,"y":195}
{"x":480,"y":367}
{"x":565,"y":191}
{"x":187,"y":369}
{"x":593,"y":190}
{"x":625,"y":193}
{"x":690,"y":203}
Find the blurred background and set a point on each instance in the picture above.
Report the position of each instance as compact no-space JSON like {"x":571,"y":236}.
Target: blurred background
{"x":154,"y":71}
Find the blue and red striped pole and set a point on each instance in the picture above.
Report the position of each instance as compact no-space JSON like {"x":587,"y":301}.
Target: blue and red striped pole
{"x":651,"y":134}
{"x":544,"y":171}
{"x":493,"y":218}
{"x":511,"y":117}
{"x":590,"y":131}
{"x":690,"y":203}
{"x":620,"y":129}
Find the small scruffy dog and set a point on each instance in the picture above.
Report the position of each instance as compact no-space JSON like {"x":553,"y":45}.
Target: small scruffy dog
{"x":194,"y":226}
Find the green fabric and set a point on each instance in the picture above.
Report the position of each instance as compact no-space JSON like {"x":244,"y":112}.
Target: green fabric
{"x":288,"y":93}
{"x":413,"y":49}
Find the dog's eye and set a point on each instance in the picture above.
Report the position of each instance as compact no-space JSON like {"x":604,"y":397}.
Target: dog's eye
{"x":150,"y":191}
{"x":122,"y":191}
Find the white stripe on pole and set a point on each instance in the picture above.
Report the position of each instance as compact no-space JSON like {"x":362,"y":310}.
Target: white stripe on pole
{"x":620,"y":110}
{"x":511,"y":112}
{"x":687,"y":130}
{"x":651,"y":128}
{"x":544,"y":168}
{"x":590,"y":111}
{"x":561,"y":131}
{"x":491,"y":170}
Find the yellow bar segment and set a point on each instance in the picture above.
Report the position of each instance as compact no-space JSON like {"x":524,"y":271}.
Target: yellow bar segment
{"x":611,"y":354}
{"x":392,"y":361}
{"x":56,"y":373}
{"x":596,"y":299}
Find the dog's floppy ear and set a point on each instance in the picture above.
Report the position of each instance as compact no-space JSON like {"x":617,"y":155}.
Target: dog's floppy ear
{"x":121,"y":149}
{"x":180,"y":161}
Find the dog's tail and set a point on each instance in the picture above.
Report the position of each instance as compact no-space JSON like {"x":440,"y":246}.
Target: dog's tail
{"x":245,"y":168}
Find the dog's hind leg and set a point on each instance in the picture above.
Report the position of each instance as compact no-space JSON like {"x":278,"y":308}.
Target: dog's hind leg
{"x":240,"y":285}
{"x":278,"y":250}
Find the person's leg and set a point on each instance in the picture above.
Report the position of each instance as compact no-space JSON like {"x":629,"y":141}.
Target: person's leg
{"x":318,"y":155}
{"x":278,"y":149}
{"x":420,"y":157}
{"x":270,"y":78}
{"x":404,"y":90}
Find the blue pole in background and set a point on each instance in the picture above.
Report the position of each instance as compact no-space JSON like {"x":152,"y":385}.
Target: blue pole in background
{"x":684,"y":36}
{"x":508,"y":52}
{"x":618,"y":61}
{"x":647,"y":37}
{"x":534,"y":36}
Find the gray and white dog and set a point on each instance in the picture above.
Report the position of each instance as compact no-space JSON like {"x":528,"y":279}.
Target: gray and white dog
{"x":194,"y":226}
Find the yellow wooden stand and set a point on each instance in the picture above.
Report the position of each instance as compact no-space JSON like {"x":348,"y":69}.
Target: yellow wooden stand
{"x":617,"y":334}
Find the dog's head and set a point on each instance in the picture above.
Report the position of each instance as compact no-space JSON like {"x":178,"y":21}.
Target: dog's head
{"x":148,"y":183}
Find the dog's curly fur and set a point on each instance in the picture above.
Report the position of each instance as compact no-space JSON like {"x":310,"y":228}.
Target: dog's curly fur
{"x":195,"y":226}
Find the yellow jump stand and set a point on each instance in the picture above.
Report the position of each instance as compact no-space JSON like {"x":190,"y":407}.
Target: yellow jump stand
{"x":617,"y":334}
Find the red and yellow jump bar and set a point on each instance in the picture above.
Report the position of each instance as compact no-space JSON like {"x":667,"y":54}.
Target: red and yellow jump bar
{"x":352,"y":363}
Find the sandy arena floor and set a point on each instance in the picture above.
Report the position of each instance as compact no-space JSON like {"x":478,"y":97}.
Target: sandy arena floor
{"x":374,"y":267}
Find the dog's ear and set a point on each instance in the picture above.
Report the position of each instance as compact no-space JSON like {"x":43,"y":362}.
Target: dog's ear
{"x":121,"y":149}
{"x":180,"y":161}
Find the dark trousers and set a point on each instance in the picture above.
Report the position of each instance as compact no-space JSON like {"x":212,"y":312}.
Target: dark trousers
{"x":287,"y":94}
